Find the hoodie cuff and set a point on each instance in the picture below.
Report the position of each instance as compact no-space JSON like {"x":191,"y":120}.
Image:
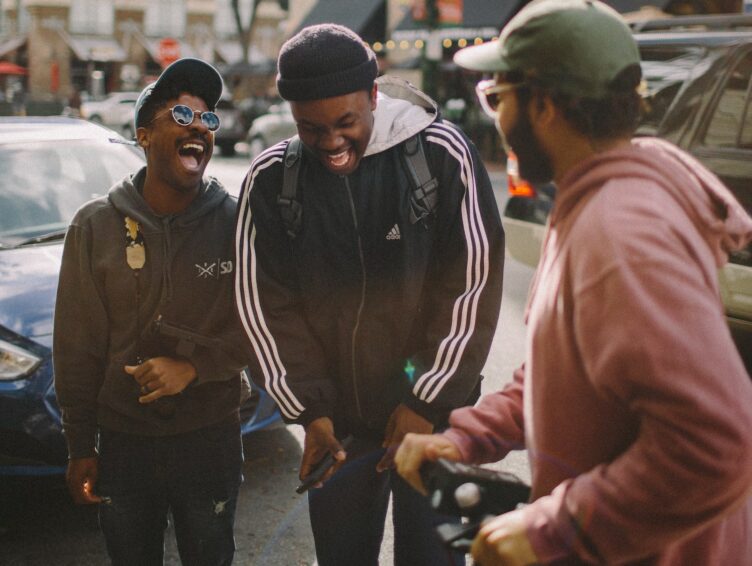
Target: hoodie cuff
{"x":550,"y":529}
{"x":203,"y":370}
{"x":312,"y":413}
{"x":463,"y":442}
{"x":82,"y":441}
{"x":425,"y":410}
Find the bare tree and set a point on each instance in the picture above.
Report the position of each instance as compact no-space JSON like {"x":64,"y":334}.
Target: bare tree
{"x":245,"y":32}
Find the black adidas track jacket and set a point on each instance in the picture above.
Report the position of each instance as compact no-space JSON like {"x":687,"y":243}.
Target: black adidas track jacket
{"x":364,"y":310}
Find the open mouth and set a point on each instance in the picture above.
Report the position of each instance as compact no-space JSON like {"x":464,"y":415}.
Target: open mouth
{"x":191,"y":155}
{"x":339,"y":161}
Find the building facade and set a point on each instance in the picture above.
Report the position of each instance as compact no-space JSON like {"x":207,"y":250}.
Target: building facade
{"x":98,"y":46}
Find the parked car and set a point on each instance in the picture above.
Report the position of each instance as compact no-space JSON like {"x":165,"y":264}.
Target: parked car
{"x":252,"y":107}
{"x":115,"y":111}
{"x":50,"y":166}
{"x":231,"y":126}
{"x":699,"y":75}
{"x":270,"y":128}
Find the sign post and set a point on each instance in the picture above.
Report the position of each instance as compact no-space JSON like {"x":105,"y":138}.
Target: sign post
{"x":168,"y":51}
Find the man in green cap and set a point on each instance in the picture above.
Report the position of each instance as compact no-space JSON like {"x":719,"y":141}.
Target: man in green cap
{"x":633,"y":402}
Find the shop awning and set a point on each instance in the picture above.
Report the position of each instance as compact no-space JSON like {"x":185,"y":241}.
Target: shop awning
{"x":104,"y":49}
{"x":231,"y":52}
{"x":480,"y":18}
{"x":230,"y":60}
{"x":8,"y":68}
{"x":10,"y":45}
{"x":354,"y":14}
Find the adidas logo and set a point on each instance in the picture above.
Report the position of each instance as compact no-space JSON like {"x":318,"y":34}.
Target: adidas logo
{"x":394,"y":233}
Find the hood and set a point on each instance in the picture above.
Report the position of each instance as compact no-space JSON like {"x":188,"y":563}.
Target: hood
{"x":127,"y":199}
{"x":28,"y":286}
{"x":713,"y":209}
{"x":401,"y":112}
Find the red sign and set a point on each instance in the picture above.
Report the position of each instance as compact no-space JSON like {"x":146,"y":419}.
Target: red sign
{"x":168,"y":51}
{"x":450,"y":11}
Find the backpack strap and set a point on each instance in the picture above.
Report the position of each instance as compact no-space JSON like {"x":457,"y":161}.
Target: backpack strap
{"x":424,"y":196}
{"x":289,"y":206}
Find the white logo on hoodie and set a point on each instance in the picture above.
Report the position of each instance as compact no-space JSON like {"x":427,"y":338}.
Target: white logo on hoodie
{"x":213,"y":269}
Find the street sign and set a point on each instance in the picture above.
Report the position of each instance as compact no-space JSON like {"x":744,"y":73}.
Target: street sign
{"x":168,"y":51}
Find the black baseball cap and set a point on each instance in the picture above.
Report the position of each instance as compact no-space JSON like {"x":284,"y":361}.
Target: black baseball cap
{"x":204,"y":80}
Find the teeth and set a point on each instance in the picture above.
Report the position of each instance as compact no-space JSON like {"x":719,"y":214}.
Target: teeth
{"x":339,"y":159}
{"x":195,"y":146}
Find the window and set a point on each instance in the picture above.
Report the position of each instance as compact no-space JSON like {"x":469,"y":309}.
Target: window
{"x":731,"y":124}
{"x":665,"y":70}
{"x":165,"y":18}
{"x":43,"y":198}
{"x":92,"y":16}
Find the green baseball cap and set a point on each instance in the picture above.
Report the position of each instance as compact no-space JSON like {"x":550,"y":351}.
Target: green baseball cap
{"x":577,"y":47}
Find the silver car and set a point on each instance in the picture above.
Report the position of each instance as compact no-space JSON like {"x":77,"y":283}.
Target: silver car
{"x":115,"y":111}
{"x":270,"y":128}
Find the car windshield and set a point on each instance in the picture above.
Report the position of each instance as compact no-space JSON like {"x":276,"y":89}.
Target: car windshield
{"x":665,"y":69}
{"x":44,"y":183}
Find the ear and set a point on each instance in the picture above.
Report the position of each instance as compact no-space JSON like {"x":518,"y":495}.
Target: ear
{"x":542,"y":110}
{"x":142,"y":137}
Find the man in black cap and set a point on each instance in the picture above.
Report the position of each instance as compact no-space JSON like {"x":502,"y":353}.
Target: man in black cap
{"x":369,"y":287}
{"x":148,"y":349}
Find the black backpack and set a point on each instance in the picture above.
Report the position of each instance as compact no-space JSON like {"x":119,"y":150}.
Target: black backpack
{"x":423,"y":198}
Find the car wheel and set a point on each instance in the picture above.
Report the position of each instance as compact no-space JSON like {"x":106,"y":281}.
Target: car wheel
{"x":256,"y":146}
{"x":96,"y":118}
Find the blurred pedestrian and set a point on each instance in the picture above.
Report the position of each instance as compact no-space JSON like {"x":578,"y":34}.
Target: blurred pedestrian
{"x":18,"y":99}
{"x":370,"y":292}
{"x":74,"y":103}
{"x":148,"y":347}
{"x":633,"y":402}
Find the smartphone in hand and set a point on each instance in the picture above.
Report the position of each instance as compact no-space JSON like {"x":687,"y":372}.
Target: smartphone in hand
{"x":321,"y":468}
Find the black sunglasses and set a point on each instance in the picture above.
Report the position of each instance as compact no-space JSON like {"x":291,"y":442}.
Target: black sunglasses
{"x":184,"y":115}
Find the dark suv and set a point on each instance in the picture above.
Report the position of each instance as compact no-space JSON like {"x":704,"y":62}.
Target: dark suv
{"x":232,"y":126}
{"x":699,"y":76}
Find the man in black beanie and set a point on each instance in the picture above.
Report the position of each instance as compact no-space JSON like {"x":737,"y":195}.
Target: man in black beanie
{"x":369,"y":292}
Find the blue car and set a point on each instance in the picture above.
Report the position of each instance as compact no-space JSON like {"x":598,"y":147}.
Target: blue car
{"x":49,"y":167}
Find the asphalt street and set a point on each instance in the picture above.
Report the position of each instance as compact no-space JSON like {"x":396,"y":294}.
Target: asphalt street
{"x":39,"y":525}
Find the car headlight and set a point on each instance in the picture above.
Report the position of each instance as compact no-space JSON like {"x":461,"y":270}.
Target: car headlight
{"x":16,"y":362}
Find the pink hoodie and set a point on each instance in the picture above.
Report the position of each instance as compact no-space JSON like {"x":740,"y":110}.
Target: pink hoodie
{"x":634,"y":404}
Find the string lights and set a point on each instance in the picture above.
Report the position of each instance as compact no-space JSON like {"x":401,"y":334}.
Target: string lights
{"x":418,"y":44}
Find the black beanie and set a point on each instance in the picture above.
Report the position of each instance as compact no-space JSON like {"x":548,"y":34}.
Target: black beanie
{"x":323,"y":61}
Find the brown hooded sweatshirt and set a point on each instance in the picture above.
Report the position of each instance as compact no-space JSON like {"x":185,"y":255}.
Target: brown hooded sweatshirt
{"x":633,"y":403}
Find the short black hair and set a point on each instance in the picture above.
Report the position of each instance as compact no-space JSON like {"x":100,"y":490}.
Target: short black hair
{"x":159,"y":98}
{"x":615,"y":115}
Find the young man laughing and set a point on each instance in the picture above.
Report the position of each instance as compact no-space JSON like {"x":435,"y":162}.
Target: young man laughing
{"x":148,"y":349}
{"x":370,"y":310}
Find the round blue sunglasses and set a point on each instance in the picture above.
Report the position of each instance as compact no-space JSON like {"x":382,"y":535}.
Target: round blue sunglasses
{"x":184,"y":116}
